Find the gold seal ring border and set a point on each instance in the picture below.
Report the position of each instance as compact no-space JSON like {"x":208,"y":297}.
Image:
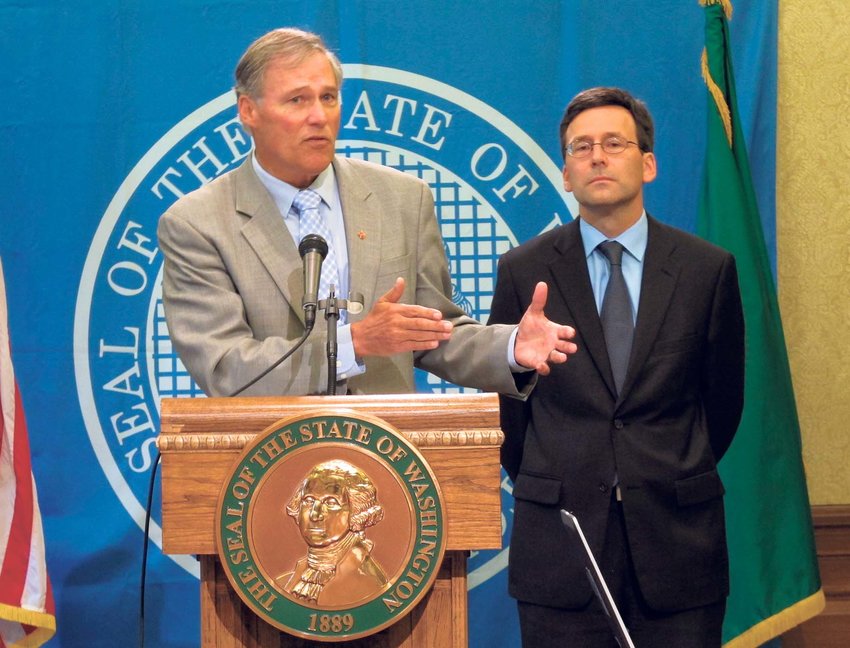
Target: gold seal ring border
{"x":411,"y":603}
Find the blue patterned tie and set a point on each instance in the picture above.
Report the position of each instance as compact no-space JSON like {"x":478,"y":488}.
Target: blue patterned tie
{"x":306,"y":206}
{"x":617,"y":322}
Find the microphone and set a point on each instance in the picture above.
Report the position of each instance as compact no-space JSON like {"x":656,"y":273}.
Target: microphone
{"x":313,"y":250}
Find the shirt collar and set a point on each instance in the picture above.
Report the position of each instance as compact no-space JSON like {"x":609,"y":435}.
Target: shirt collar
{"x":633,"y":239}
{"x":284,"y":193}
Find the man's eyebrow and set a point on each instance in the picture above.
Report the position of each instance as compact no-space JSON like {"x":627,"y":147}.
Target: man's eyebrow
{"x":603,"y":136}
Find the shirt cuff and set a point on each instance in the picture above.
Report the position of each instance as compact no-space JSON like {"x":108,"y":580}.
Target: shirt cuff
{"x":347,"y":365}
{"x":512,"y":363}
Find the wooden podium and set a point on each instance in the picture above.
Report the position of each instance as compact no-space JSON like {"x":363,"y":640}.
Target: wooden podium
{"x":458,"y":435}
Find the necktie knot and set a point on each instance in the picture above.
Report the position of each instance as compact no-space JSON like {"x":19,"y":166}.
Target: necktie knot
{"x":305,"y":200}
{"x":305,"y":205}
{"x":613,"y":251}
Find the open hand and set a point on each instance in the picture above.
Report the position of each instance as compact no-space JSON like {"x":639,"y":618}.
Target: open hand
{"x":539,"y":341}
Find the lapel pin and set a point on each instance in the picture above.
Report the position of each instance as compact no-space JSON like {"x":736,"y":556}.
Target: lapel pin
{"x":361,"y":235}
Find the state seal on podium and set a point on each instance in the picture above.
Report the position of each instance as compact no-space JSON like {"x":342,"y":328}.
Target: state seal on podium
{"x":330,"y":526}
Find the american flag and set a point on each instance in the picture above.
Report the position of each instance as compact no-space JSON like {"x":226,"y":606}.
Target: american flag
{"x":27,"y":613}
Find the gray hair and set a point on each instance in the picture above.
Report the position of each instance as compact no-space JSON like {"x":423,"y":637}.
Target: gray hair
{"x":293,"y":45}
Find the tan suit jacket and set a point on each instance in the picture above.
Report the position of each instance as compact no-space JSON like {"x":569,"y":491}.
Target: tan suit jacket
{"x":233,"y":283}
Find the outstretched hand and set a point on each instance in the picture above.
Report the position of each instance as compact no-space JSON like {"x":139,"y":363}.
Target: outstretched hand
{"x":539,"y":341}
{"x":391,"y":327}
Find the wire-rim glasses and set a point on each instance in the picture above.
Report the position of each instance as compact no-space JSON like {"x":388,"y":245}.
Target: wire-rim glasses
{"x":613,"y":145}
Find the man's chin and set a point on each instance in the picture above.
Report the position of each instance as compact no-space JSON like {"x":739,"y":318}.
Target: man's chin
{"x":317,"y":161}
{"x":319,"y":149}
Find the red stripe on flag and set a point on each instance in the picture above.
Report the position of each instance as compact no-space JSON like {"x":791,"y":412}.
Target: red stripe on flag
{"x":26,"y":600}
{"x":16,"y":561}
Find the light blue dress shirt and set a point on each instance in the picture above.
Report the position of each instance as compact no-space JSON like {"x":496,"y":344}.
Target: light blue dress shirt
{"x":634,"y":241}
{"x":325,"y":185}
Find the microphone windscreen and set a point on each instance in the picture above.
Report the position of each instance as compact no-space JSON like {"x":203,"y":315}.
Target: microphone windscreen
{"x":313,"y":243}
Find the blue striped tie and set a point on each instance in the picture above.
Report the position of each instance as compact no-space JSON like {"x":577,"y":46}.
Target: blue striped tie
{"x":311,"y":221}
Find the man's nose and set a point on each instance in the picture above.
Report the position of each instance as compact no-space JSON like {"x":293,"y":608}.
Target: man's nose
{"x":317,"y":114}
{"x":316,"y":511}
{"x":597,"y":155}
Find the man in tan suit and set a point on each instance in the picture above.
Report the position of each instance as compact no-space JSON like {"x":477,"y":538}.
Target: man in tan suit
{"x":233,"y":278}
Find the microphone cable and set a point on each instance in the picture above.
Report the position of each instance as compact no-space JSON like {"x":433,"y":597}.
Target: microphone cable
{"x":145,"y":553}
{"x":310,"y":243}
{"x":298,"y":344}
{"x":146,"y":540}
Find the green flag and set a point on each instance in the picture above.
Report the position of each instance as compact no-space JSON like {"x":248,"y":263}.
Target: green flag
{"x":775,"y":584}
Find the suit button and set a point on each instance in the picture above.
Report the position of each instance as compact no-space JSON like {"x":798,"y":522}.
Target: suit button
{"x":618,"y":424}
{"x":603,"y":487}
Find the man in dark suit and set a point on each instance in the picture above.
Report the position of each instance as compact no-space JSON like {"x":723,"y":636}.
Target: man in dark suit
{"x":627,"y":435}
{"x":233,"y":280}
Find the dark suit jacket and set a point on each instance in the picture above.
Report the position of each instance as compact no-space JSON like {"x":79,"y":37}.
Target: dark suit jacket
{"x":679,"y":409}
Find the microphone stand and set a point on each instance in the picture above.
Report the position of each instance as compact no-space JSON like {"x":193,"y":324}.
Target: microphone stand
{"x":332,"y":318}
{"x":332,"y":306}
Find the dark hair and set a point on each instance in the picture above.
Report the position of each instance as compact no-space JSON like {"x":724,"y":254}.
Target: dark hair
{"x":598,"y":97}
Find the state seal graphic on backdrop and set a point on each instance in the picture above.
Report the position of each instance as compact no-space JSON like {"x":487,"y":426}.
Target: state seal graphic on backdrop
{"x":493,"y":187}
{"x":331,"y":525}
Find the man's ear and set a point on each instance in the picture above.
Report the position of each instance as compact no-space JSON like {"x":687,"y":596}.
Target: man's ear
{"x":566,"y":174}
{"x":650,"y":167}
{"x":247,"y":109}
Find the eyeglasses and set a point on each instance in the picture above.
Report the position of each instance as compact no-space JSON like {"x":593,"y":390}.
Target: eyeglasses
{"x":611,"y":145}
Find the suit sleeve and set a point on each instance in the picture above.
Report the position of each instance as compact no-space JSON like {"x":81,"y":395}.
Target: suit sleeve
{"x":507,"y":308}
{"x":723,"y":371}
{"x":475,"y":356}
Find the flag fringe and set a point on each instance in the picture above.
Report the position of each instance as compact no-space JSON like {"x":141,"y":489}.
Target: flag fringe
{"x":44,"y":625}
{"x":780,"y":622}
{"x":27,"y":617}
{"x":726,"y":4}
{"x":718,"y":96}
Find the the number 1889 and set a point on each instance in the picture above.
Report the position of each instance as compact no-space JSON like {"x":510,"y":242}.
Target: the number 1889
{"x":331,"y":622}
